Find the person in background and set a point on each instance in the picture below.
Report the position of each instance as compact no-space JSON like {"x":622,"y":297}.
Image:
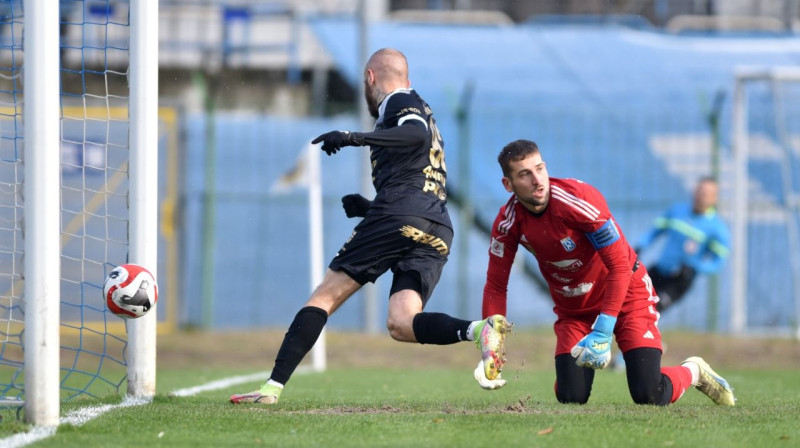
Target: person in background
{"x":697,"y":241}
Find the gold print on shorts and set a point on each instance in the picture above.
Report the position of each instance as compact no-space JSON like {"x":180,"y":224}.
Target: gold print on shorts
{"x":424,"y":238}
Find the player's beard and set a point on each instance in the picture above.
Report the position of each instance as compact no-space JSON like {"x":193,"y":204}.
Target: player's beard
{"x":371,"y":96}
{"x":533,"y":201}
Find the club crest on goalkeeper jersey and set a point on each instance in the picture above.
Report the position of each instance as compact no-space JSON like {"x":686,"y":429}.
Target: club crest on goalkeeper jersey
{"x":581,"y":251}
{"x":409,"y":180}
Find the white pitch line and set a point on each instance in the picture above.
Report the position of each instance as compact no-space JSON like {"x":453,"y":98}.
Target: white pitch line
{"x":80,"y":416}
{"x":36,"y":434}
{"x":231,"y":381}
{"x":76,"y":418}
{"x":220,"y":384}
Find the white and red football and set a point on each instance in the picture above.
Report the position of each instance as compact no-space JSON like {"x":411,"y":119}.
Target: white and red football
{"x":130,"y":291}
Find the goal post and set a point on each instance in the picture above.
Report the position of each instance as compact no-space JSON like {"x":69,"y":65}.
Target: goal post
{"x":747,"y":209}
{"x":143,"y":185}
{"x":78,"y":196}
{"x":42,"y":231}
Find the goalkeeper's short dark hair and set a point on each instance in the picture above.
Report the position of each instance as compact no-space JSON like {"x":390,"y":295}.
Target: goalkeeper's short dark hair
{"x":515,"y":151}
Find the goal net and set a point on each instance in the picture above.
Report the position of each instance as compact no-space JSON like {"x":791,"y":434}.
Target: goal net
{"x":11,"y":306}
{"x":96,"y":188}
{"x":765,"y":297}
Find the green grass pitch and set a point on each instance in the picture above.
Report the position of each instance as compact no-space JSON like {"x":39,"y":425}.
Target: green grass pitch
{"x":369,"y":407}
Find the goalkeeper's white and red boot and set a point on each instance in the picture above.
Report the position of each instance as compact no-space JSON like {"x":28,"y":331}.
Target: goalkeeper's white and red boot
{"x":268,"y":394}
{"x":491,"y":342}
{"x":711,"y":384}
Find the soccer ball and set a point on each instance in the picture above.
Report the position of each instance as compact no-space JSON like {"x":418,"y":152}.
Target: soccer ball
{"x":130,"y":291}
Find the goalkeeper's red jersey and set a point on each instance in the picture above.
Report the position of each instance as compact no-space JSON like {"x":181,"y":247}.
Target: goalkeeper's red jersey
{"x":581,"y":251}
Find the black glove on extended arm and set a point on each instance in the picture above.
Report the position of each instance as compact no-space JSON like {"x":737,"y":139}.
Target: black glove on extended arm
{"x":334,"y":141}
{"x":409,"y":134}
{"x":355,"y":205}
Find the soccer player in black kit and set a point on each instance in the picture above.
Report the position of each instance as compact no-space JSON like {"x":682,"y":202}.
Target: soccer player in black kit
{"x":406,"y":228}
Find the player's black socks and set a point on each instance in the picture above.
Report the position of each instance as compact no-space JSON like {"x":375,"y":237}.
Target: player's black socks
{"x":301,"y":336}
{"x":439,"y":329}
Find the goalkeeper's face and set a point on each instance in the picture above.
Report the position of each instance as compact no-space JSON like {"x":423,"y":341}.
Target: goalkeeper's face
{"x":529,"y":181}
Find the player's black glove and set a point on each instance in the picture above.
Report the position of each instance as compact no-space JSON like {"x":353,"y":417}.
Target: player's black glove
{"x":335,"y":140}
{"x":355,"y":205}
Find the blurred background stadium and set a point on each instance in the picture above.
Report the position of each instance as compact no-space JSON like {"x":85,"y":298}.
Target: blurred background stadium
{"x":635,"y":97}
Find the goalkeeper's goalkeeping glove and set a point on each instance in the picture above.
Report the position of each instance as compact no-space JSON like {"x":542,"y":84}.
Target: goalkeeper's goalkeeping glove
{"x":486,"y":383}
{"x":594,"y":350}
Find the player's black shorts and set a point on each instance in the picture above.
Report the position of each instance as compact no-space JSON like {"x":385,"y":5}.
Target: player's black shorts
{"x":414,"y":248}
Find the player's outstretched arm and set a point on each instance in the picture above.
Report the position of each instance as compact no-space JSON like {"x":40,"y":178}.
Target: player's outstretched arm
{"x":409,"y":134}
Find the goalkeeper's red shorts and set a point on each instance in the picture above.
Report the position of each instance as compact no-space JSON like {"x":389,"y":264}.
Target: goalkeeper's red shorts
{"x":637,"y":327}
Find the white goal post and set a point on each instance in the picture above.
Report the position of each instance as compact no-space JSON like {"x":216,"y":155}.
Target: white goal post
{"x":42,"y":213}
{"x":745,"y":77}
{"x":42,"y":194}
{"x":143,"y":237}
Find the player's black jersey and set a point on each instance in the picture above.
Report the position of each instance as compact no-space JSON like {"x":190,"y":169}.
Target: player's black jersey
{"x":409,"y":171}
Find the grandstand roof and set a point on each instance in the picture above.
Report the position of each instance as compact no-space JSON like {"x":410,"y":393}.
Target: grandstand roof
{"x":591,"y":64}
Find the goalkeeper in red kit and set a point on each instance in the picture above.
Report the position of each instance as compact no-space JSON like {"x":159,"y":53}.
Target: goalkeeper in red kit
{"x":598,"y":286}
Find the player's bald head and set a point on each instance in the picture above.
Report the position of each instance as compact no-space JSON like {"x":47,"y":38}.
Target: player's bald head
{"x":389,"y":65}
{"x":386,"y":71}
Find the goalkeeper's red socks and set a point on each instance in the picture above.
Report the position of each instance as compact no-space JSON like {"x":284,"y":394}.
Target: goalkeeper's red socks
{"x":681,"y":378}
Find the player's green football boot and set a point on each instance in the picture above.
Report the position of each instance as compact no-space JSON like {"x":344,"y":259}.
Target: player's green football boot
{"x":268,"y":394}
{"x":711,"y":384}
{"x":491,"y":342}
